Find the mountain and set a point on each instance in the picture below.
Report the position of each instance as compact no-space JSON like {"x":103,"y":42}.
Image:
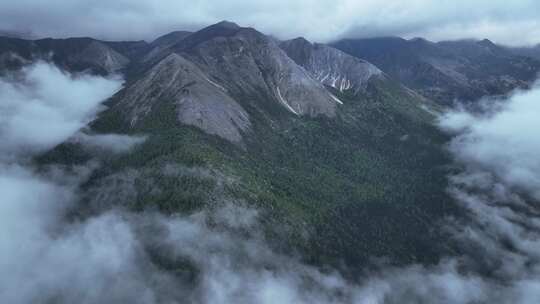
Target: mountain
{"x":16,"y":34}
{"x":331,"y":66}
{"x":73,"y":54}
{"x":342,"y":170}
{"x":446,"y":71}
{"x":198,"y":100}
{"x":332,"y":152}
{"x":252,"y":65}
{"x":335,"y":144}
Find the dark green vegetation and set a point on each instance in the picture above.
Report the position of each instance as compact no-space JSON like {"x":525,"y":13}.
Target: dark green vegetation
{"x":367,"y":183}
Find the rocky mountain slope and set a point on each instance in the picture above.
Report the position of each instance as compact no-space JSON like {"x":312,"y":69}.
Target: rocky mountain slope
{"x":446,"y":71}
{"x":330,"y":66}
{"x":198,"y":100}
{"x":211,"y":75}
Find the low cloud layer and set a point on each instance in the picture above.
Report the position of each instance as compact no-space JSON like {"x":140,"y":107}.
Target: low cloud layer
{"x":43,"y":257}
{"x":43,"y":106}
{"x":513,"y":23}
{"x":505,"y":142}
{"x":500,"y":187}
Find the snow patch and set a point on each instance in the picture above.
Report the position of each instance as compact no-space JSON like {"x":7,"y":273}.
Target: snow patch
{"x":284,"y":102}
{"x":213,"y":83}
{"x":336,"y":99}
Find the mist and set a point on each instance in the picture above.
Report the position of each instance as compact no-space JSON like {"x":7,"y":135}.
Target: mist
{"x":499,"y":185}
{"x":513,"y":23}
{"x":42,"y":106}
{"x":44,"y":257}
{"x":504,"y":143}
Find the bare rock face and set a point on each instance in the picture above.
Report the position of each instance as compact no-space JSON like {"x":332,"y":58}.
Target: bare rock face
{"x":252,"y":66}
{"x":331,"y":66}
{"x":198,"y":101}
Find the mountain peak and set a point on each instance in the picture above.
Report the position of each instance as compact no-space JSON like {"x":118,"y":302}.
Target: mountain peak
{"x":485,"y":40}
{"x":220,"y":29}
{"x":299,"y":43}
{"x":226,"y":24}
{"x":300,"y":40}
{"x":419,"y":40}
{"x":486,"y":43}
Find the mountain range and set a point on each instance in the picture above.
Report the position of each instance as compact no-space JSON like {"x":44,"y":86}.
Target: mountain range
{"x":335,"y":143}
{"x":448,"y":71}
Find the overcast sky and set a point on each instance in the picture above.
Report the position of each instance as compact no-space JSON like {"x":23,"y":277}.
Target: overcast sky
{"x":515,"y":22}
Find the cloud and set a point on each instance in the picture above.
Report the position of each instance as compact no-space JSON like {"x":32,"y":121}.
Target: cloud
{"x":505,"y":143}
{"x":116,"y":143}
{"x":47,"y":106}
{"x":44,"y":256}
{"x":321,"y":20}
{"x":499,"y":187}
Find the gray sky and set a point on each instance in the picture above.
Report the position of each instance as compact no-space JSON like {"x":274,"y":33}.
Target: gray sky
{"x":515,"y":22}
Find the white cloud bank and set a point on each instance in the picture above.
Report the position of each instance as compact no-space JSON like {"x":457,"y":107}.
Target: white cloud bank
{"x":500,"y":187}
{"x":509,"y":22}
{"x":43,"y":258}
{"x":505,"y":143}
{"x":46,"y":106}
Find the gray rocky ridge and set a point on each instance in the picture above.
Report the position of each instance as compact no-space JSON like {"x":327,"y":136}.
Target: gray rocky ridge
{"x":211,"y":76}
{"x":331,"y":66}
{"x":198,"y":101}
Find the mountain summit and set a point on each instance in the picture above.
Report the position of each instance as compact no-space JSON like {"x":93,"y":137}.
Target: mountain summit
{"x":212,"y":75}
